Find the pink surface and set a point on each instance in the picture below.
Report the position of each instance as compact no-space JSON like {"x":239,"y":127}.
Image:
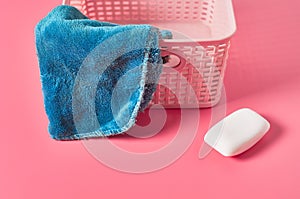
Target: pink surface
{"x":263,"y":74}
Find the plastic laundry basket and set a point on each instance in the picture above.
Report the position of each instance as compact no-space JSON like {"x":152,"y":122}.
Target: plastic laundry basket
{"x":198,"y":50}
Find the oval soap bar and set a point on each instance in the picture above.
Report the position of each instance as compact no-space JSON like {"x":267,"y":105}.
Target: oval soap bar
{"x":237,"y":132}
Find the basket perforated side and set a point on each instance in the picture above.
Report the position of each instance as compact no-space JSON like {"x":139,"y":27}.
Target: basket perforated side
{"x":204,"y":70}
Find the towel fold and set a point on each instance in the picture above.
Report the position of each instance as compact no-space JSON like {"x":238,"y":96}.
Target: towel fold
{"x":96,"y":76}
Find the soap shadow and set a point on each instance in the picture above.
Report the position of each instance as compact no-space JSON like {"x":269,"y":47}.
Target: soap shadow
{"x":264,"y":144}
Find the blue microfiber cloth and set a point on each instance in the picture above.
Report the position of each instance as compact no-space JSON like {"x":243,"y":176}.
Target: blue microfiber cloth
{"x":96,"y":76}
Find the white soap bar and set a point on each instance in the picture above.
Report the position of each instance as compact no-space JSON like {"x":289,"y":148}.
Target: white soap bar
{"x":237,"y":132}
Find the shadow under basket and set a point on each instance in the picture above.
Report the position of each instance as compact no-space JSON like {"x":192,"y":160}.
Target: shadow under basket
{"x":196,"y":56}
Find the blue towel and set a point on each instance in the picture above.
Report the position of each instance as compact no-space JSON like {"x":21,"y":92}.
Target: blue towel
{"x":96,"y":76}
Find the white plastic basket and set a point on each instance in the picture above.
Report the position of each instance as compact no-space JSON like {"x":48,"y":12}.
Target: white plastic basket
{"x":198,"y":51}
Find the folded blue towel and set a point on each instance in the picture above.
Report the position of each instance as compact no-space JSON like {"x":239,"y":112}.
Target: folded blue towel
{"x":96,"y":76}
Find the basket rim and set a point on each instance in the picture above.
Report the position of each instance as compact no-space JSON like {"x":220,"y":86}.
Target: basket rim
{"x":216,"y":39}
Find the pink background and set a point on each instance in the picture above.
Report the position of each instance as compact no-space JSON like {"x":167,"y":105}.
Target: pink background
{"x":263,"y":74}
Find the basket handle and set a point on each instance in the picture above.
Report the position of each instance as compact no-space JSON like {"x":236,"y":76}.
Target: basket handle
{"x":66,"y":2}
